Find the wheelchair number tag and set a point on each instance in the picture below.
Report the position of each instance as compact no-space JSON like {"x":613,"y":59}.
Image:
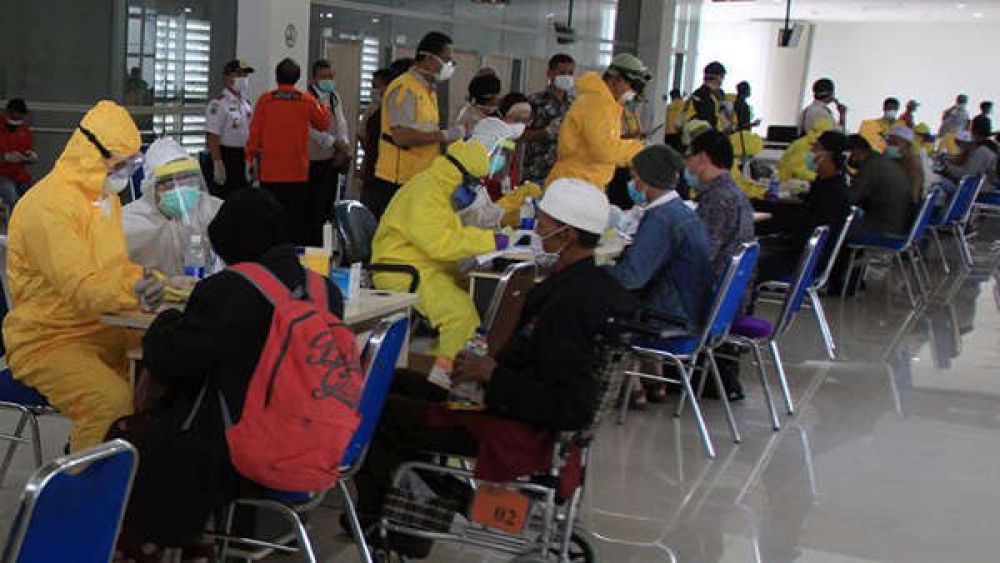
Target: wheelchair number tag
{"x":500,"y":508}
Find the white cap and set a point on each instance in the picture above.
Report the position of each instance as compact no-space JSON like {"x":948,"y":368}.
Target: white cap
{"x":578,"y":204}
{"x":963,"y":136}
{"x":490,"y":132}
{"x":903,"y":132}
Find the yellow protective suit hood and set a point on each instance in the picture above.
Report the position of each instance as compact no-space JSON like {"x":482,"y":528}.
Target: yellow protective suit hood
{"x":590,"y":144}
{"x":472,"y":155}
{"x":792,"y":164}
{"x":67,"y":265}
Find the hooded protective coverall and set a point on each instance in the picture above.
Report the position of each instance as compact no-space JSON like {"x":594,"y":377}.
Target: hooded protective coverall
{"x":154,"y":240}
{"x":67,"y":265}
{"x":792,"y":164}
{"x":422,"y":229}
{"x":590,"y":143}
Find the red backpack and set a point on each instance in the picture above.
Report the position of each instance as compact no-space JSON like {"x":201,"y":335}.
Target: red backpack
{"x":301,"y":407}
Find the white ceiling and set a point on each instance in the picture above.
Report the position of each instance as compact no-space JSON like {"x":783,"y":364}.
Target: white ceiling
{"x":923,"y":11}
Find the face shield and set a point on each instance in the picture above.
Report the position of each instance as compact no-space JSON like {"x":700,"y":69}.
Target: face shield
{"x":179,"y":187}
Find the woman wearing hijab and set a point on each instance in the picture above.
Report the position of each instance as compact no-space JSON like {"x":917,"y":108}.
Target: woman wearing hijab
{"x":214,"y":344}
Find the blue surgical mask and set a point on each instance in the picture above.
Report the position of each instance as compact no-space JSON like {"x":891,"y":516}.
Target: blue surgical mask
{"x":810,"y":162}
{"x":179,"y":202}
{"x":894,"y":152}
{"x":325,"y":85}
{"x":638,"y":197}
{"x":690,"y":179}
{"x":497,"y":164}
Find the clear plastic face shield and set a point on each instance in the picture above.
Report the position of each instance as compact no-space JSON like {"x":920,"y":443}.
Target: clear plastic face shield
{"x":179,"y":187}
{"x":120,"y":167}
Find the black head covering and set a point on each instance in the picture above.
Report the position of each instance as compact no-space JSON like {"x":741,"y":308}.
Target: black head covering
{"x":482,"y":88}
{"x":248,"y":224}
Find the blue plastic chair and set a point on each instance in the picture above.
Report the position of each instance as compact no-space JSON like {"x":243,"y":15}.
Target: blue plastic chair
{"x":683,"y":350}
{"x":380,"y":356}
{"x":756,"y":332}
{"x":72,"y":508}
{"x":898,"y":247}
{"x":25,"y":401}
{"x":955,"y":217}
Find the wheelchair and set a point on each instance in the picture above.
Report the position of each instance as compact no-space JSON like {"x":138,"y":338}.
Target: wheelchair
{"x":534,"y":518}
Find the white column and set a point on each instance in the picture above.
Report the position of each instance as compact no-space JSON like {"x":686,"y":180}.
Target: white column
{"x":267,"y":31}
{"x":654,"y":48}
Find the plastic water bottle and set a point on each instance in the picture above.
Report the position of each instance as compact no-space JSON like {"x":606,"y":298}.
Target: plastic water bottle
{"x":527,"y":215}
{"x":471,"y":392}
{"x":194,"y":258}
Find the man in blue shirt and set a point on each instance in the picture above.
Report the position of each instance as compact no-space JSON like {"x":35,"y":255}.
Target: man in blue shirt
{"x":668,"y":265}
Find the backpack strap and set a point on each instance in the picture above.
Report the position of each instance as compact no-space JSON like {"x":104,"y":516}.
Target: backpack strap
{"x":267,"y":283}
{"x":317,"y":290}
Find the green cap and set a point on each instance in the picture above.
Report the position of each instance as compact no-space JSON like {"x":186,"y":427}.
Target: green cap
{"x":630,"y":67}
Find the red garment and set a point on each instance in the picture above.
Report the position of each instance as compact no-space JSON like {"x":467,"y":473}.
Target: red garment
{"x":494,"y":183}
{"x":509,"y":449}
{"x":279,"y":131}
{"x":18,"y":140}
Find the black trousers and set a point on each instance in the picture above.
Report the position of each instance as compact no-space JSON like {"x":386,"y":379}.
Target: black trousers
{"x":295,"y":198}
{"x":403,"y":435}
{"x":323,"y":184}
{"x":376,"y":195}
{"x":234,"y":160}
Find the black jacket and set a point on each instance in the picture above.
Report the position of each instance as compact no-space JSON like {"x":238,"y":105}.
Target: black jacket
{"x":543,"y":375}
{"x":825,"y":204}
{"x":706,"y":105}
{"x":884,"y":192}
{"x":219,"y":338}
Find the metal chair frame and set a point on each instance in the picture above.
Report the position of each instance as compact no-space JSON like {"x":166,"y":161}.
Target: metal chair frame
{"x":552,"y":527}
{"x":802,"y":282}
{"x":77,"y":464}
{"x":955,"y":218}
{"x":774,"y":292}
{"x":909,"y":249}
{"x":714,"y":332}
{"x":381,"y":365}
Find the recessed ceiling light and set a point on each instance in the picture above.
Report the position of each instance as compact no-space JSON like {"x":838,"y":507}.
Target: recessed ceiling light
{"x":961,"y":5}
{"x":977,"y":15}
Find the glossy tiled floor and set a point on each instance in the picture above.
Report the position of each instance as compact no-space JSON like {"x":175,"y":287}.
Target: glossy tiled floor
{"x":891,"y":457}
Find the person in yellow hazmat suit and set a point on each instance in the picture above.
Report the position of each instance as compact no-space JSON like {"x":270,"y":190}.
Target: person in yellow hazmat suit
{"x":792,"y":164}
{"x":67,"y":264}
{"x":876,"y":131}
{"x":422,"y":228}
{"x":590,"y":139}
{"x":746,"y":145}
{"x":674,"y":121}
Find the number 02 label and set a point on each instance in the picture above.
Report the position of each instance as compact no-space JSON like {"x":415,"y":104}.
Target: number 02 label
{"x":500,"y":508}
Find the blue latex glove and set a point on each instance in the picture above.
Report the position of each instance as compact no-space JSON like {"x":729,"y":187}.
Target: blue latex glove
{"x":502,"y":240}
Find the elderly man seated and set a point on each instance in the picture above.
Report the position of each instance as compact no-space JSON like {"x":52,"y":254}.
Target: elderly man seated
{"x":540,"y":382}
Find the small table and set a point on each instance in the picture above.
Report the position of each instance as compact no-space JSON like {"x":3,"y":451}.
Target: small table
{"x":360,"y":313}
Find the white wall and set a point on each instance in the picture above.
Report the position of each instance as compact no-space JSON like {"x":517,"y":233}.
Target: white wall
{"x":929,"y":62}
{"x":260,"y":38}
{"x":749,"y":51}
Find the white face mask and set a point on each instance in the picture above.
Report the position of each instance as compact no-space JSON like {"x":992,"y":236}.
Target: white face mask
{"x":242,"y":85}
{"x":542,"y":258}
{"x":627,"y":97}
{"x":446,"y":72}
{"x":564,"y":82}
{"x":114,"y":185}
{"x":890,"y":115}
{"x":516,"y":130}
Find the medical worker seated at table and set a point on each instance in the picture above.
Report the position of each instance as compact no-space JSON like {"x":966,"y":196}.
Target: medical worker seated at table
{"x":67,"y":265}
{"x":175,"y":205}
{"x":422,"y":227}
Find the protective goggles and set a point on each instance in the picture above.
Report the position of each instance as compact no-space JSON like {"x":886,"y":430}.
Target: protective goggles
{"x":121,"y":166}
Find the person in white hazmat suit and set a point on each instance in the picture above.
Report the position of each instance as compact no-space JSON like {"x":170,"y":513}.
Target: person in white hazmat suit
{"x":175,"y":205}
